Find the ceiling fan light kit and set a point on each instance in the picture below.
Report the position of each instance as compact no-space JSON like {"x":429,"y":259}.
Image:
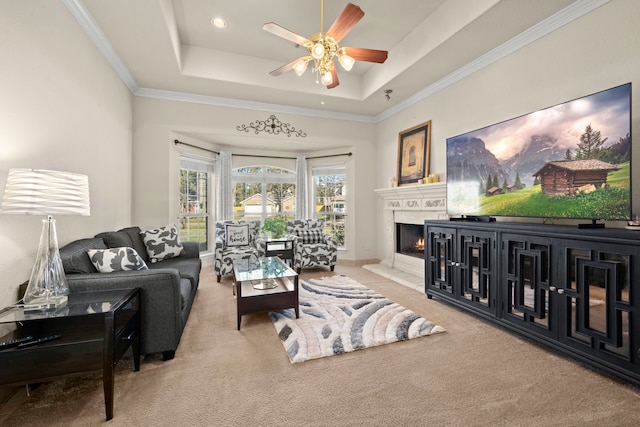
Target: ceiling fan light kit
{"x":345,"y":60}
{"x":323,"y":47}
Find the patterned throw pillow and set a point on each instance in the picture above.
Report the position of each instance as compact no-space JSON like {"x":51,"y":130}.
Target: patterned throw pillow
{"x":116,"y":259}
{"x":162,"y":243}
{"x":310,"y":236}
{"x":237,"y":234}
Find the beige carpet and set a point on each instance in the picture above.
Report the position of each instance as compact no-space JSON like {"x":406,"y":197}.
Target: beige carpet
{"x":473,"y":375}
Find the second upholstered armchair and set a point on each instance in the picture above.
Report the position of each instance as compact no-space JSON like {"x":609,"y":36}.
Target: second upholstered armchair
{"x":312,"y":248}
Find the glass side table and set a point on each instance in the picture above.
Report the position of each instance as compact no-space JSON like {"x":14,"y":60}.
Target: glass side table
{"x":90,"y":333}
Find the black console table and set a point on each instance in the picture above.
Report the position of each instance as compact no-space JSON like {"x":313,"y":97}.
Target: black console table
{"x":90,"y":333}
{"x":575,"y":290}
{"x":281,"y":248}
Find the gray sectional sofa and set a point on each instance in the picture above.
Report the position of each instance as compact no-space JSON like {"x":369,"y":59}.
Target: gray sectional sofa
{"x":168,"y":287}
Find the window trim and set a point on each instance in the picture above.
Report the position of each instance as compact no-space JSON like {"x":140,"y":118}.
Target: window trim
{"x":200,"y":165}
{"x":324,"y":170}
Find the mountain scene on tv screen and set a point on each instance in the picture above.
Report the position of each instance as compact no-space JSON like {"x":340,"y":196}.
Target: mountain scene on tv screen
{"x":571,"y":160}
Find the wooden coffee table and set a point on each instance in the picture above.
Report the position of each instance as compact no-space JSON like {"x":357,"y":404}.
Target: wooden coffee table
{"x":264,"y":285}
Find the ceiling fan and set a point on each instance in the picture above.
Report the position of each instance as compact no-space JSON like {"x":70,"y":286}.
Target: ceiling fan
{"x":322,"y":47}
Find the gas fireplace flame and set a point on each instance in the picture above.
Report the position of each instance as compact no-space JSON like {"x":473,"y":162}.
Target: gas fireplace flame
{"x":420,"y":244}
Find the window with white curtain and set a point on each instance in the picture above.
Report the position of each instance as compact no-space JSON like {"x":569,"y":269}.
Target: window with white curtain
{"x":330,"y":203}
{"x":194,"y":213}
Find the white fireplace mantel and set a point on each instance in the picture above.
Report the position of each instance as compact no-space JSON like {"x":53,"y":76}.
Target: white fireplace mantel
{"x":419,"y":197}
{"x":411,"y":204}
{"x":420,"y":190}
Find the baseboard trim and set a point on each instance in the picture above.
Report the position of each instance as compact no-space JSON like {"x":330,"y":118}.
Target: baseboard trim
{"x":357,"y":262}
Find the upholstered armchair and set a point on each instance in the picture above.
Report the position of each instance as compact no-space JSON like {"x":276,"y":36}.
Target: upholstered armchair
{"x":235,"y":240}
{"x":312,"y":248}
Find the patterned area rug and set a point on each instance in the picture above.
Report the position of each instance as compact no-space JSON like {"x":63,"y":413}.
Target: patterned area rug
{"x":339,"y":315}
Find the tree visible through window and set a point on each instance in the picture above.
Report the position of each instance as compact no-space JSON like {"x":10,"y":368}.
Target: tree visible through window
{"x":263,"y":191}
{"x":330,"y":203}
{"x":194,"y":203}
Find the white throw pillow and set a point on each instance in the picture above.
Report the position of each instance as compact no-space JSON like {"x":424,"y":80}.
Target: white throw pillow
{"x":162,"y":243}
{"x":237,"y":234}
{"x":116,"y":259}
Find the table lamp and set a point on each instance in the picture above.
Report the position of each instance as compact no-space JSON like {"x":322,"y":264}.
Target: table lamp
{"x":46,"y":192}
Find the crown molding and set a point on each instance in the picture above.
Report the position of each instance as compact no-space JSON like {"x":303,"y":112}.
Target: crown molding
{"x":541,"y":29}
{"x":565,"y":16}
{"x":249,"y":105}
{"x":91,"y":28}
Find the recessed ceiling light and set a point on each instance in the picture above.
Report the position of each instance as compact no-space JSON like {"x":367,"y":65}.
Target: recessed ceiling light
{"x":219,"y":22}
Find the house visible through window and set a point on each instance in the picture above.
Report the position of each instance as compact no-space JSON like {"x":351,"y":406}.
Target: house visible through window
{"x":330,"y":204}
{"x":195,"y":176}
{"x":262,"y":191}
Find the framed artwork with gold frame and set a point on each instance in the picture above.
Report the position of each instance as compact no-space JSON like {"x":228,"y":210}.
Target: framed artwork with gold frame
{"x":414,"y":147}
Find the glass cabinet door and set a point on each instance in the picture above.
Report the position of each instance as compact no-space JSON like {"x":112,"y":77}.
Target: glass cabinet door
{"x":477,"y":269}
{"x":440,"y":261}
{"x":527,"y":277}
{"x":596,"y":300}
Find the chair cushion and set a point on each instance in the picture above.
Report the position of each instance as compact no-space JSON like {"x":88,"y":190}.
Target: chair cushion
{"x":162,"y":243}
{"x":188,"y":268}
{"x":74,"y":255}
{"x":116,"y":259}
{"x":239,"y":250}
{"x":310,"y":236}
{"x":236,"y":234}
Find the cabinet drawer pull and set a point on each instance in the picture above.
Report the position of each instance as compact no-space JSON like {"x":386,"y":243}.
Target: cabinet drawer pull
{"x":552,"y":288}
{"x":561,"y":291}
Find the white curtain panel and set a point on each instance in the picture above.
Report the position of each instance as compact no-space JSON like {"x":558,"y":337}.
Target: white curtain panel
{"x":224,"y":188}
{"x":301,"y":188}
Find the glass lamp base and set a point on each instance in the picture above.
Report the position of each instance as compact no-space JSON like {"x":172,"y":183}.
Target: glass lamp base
{"x":44,"y":303}
{"x":48,"y":284}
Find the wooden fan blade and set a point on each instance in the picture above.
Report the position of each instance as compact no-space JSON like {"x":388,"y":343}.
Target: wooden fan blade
{"x":334,"y":77}
{"x":285,"y":68}
{"x":345,"y":22}
{"x":367,"y":55}
{"x":279,"y":31}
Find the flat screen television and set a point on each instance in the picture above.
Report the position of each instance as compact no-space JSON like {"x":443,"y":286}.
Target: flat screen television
{"x":572,"y":160}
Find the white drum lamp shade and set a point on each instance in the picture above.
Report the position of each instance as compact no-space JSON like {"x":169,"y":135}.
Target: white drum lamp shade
{"x":46,"y":192}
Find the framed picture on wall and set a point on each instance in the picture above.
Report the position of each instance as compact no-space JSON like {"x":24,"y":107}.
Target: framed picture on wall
{"x":414,"y":146}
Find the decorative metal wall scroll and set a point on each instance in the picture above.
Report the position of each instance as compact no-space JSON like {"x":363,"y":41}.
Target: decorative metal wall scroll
{"x":273,"y":126}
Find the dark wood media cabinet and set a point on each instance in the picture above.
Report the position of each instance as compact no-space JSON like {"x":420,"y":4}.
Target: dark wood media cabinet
{"x":574,"y":290}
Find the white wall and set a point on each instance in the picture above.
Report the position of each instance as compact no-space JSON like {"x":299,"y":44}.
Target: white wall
{"x":157,"y":123}
{"x":595,"y":52}
{"x":62,"y":108}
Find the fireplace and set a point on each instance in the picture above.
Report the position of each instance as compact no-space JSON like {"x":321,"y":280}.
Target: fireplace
{"x":410,"y":240}
{"x":401,"y":206}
